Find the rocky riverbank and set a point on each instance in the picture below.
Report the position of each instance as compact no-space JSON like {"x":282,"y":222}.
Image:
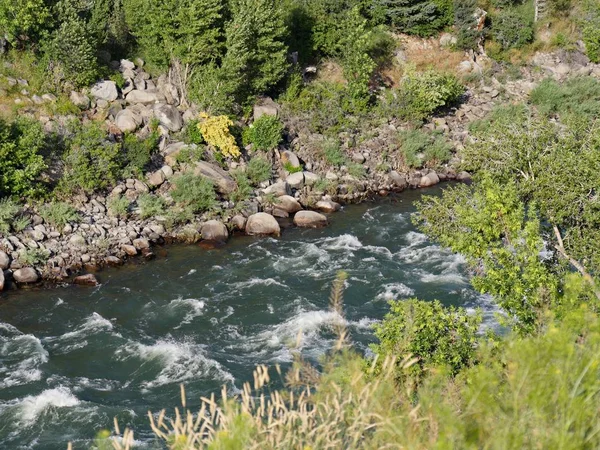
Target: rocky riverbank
{"x":303,"y":190}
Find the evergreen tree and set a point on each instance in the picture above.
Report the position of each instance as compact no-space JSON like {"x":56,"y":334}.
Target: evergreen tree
{"x":420,"y":17}
{"x":107,"y":22}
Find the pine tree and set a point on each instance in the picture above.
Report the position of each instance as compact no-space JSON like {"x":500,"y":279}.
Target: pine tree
{"x":420,"y":17}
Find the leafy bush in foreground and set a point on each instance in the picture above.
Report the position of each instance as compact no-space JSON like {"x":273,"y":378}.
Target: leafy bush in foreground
{"x":265,"y":133}
{"x":259,"y":169}
{"x":58,"y":214}
{"x":194,"y":191}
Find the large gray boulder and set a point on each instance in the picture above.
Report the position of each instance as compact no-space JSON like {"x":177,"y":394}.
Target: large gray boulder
{"x":430,"y":179}
{"x":327,"y":206}
{"x":262,"y":224}
{"x":310,"y":219}
{"x":214,"y":230}
{"x":127,"y":121}
{"x":80,"y":100}
{"x":222,"y":180}
{"x":295,"y":180}
{"x":1,"y":280}
{"x":144,"y":97}
{"x":278,"y":189}
{"x":289,"y":157}
{"x":288,"y":204}
{"x":168,"y":116}
{"x":265,"y":107}
{"x":399,"y":181}
{"x":4,"y":260}
{"x":26,"y":275}
{"x":105,"y":90}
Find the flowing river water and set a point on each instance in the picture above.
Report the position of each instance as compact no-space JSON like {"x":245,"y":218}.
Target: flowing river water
{"x":73,"y":358}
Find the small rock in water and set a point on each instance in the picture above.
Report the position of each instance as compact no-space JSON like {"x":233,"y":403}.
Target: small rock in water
{"x":86,"y":280}
{"x":310,"y":219}
{"x":26,"y":275}
{"x":262,"y":224}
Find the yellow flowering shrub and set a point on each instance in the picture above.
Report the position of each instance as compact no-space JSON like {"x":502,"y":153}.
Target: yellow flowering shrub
{"x":215,"y":131}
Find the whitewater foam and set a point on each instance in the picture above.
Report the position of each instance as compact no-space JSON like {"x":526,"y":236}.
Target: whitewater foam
{"x":32,"y":407}
{"x":193,"y":307}
{"x":394,"y":291}
{"x":21,"y":356}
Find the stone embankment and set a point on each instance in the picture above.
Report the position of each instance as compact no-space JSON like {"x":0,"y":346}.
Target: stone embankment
{"x":304,"y":198}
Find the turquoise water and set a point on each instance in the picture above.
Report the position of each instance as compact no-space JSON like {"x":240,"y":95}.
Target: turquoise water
{"x":73,"y":358}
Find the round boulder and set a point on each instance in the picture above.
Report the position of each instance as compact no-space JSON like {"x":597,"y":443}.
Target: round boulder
{"x":4,"y":260}
{"x":26,"y":275}
{"x":288,"y":204}
{"x":214,"y":230}
{"x":86,"y":280}
{"x":430,"y":179}
{"x":310,"y":219}
{"x":262,"y":224}
{"x":295,"y":180}
{"x":327,"y":206}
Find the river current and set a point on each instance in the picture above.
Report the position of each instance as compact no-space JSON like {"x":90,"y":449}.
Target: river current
{"x":72,"y":358}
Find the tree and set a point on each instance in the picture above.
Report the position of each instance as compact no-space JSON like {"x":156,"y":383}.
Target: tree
{"x":420,"y":17}
{"x":23,"y":19}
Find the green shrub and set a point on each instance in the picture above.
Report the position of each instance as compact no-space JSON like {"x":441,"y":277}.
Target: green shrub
{"x":118,"y":206}
{"x":59,"y":214}
{"x":512,"y":29}
{"x":580,"y":96}
{"x":25,"y":20}
{"x":266,"y":132}
{"x":421,"y":93}
{"x":151,"y":205}
{"x":8,"y":214}
{"x":590,"y":30}
{"x":91,"y":162}
{"x":190,"y":154}
{"x":418,"y":147}
{"x":196,"y":192}
{"x":333,"y":153}
{"x":438,"y":152}
{"x":420,"y":17}
{"x":357,"y":170}
{"x":288,"y":167}
{"x":244,"y":189}
{"x":192,"y":134}
{"x":467,"y":36}
{"x":430,"y":332}
{"x":177,"y":215}
{"x":259,"y":169}
{"x":21,"y":163}
{"x":33,"y":256}
{"x":137,"y":153}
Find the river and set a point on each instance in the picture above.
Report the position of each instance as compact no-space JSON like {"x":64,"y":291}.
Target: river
{"x":72,"y":358}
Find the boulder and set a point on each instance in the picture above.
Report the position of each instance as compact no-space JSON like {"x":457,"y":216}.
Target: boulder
{"x":278,"y":189}
{"x":1,"y":280}
{"x":399,"y":181}
{"x":358,"y":158}
{"x":141,"y":243}
{"x":77,"y":240}
{"x":289,"y":157}
{"x":214,"y":230}
{"x":464,"y":177}
{"x":26,"y":275}
{"x":288,"y":204}
{"x":447,"y":40}
{"x":327,"y":206}
{"x":431,"y":179}
{"x":295,"y":180}
{"x":129,"y":249}
{"x":310,"y":178}
{"x":265,"y":107}
{"x":262,"y":224}
{"x":127,"y":121}
{"x":238,"y":222}
{"x":157,"y":178}
{"x":170,"y":153}
{"x":86,"y":280}
{"x":125,"y":64}
{"x":144,"y":97}
{"x":4,"y":260}
{"x":105,"y":90}
{"x":168,"y":116}
{"x":112,"y":261}
{"x":80,"y":100}
{"x":222,"y":180}
{"x":310,"y":219}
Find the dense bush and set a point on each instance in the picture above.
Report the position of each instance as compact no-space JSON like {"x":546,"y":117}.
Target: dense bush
{"x":58,"y":214}
{"x":421,"y":93}
{"x":430,"y":332}
{"x":151,"y":205}
{"x":21,"y":162}
{"x":91,"y":162}
{"x":265,"y":133}
{"x":23,"y":19}
{"x":467,"y":36}
{"x":195,"y":192}
{"x":512,"y":28}
{"x":420,"y":17}
{"x":9,"y":212}
{"x":118,"y":206}
{"x":259,"y":169}
{"x":591,"y":30}
{"x":137,"y":153}
{"x":216,"y":131}
{"x":580,"y":96}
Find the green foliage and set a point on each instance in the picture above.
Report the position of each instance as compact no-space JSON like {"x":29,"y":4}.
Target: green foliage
{"x":356,"y":170}
{"x":421,"y":93}
{"x":195,"y":192}
{"x":91,"y":162}
{"x":420,"y":17}
{"x":151,"y":205}
{"x":467,"y":36}
{"x":259,"y":169}
{"x":118,"y":206}
{"x":436,"y":335}
{"x":580,"y":96}
{"x":192,"y":133}
{"x":21,"y":163}
{"x":266,"y":132}
{"x":292,"y":169}
{"x":542,"y":156}
{"x":186,"y":31}
{"x":71,"y":51}
{"x":418,"y":148}
{"x":438,"y":152}
{"x":190,"y":154}
{"x":244,"y":189}
{"x":501,"y":239}
{"x":137,"y":153}
{"x":33,"y":256}
{"x":58,"y":214}
{"x":590,"y":25}
{"x":333,"y":153}
{"x":23,"y":19}
{"x":512,"y":28}
{"x":9,"y":211}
